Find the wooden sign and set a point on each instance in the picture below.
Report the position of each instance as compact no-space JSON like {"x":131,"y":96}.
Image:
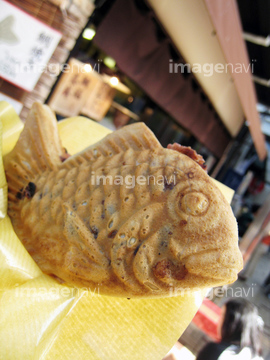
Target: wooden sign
{"x":99,"y":101}
{"x":81,"y":90}
{"x":73,"y":88}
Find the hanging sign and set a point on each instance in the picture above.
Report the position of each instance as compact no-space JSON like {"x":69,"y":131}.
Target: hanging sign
{"x":26,"y":46}
{"x":81,"y":90}
{"x":99,"y":101}
{"x":73,"y":88}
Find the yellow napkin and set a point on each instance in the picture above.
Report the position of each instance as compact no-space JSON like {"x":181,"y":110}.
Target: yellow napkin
{"x":41,"y":319}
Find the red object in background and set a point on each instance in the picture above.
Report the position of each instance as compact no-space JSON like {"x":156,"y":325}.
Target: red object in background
{"x":207,"y":318}
{"x":266,"y":240}
{"x":256,"y":186}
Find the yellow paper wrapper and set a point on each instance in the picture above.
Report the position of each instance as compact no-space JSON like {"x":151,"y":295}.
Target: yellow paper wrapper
{"x":41,"y":319}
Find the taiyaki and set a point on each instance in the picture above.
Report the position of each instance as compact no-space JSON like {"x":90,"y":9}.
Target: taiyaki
{"x":125,"y":216}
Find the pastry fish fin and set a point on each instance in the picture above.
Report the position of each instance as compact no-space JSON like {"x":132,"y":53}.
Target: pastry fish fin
{"x":136,"y":137}
{"x":84,"y":252}
{"x":37,"y":150}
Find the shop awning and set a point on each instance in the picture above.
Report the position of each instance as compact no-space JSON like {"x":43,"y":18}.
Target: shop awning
{"x":209,"y":32}
{"x":214,"y":110}
{"x":225,"y":18}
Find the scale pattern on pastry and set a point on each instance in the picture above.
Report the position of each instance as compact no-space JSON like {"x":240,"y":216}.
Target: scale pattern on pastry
{"x":124,"y":217}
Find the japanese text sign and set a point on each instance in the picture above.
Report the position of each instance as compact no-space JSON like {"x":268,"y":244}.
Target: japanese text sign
{"x":26,"y":46}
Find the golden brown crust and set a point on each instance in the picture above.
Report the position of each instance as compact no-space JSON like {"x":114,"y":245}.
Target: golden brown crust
{"x":153,"y":225}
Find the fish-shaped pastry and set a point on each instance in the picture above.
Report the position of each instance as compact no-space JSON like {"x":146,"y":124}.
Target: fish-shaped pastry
{"x":125,"y":216}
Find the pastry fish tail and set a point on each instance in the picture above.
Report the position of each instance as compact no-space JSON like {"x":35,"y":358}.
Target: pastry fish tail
{"x":38,"y":150}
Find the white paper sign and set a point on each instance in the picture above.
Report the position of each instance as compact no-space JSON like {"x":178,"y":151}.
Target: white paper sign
{"x":26,"y":46}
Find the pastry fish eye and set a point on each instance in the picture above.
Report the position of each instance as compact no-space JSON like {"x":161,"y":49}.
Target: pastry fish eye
{"x":194,"y":203}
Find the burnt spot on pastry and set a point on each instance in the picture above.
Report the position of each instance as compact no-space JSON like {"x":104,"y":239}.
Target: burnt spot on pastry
{"x":94,"y":231}
{"x":188,"y":151}
{"x":19,"y":195}
{"x":137,"y":249}
{"x":183,"y":222}
{"x":180,"y":272}
{"x":165,"y":269}
{"x":30,"y":190}
{"x":162,"y":269}
{"x":168,"y":186}
{"x":112,"y":234}
{"x":27,"y":192}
